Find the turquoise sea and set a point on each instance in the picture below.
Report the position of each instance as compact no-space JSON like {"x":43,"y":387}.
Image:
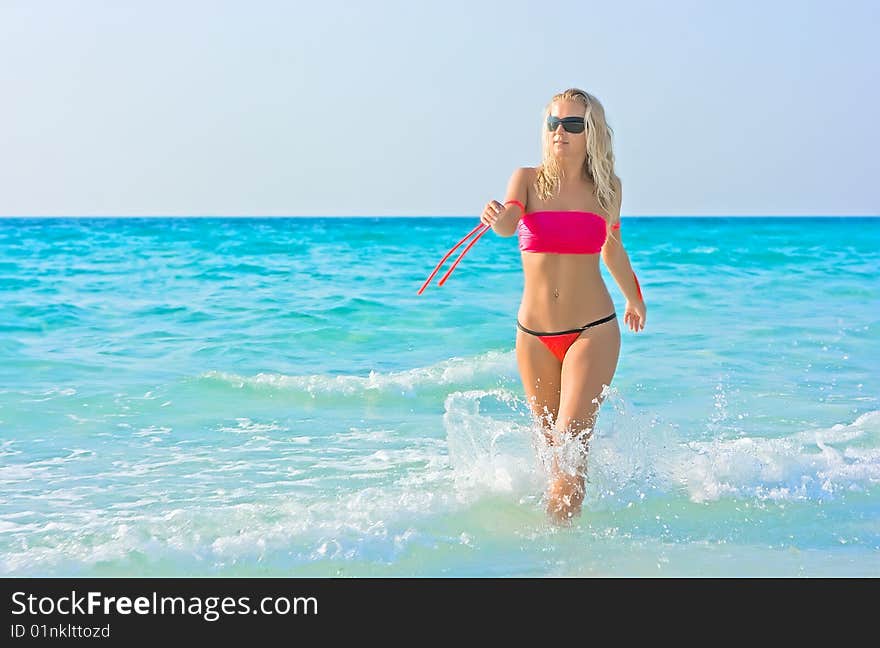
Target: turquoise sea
{"x":270,"y":397}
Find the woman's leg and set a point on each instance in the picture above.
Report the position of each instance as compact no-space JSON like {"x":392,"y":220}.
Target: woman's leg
{"x":588,"y":366}
{"x":540,"y":373}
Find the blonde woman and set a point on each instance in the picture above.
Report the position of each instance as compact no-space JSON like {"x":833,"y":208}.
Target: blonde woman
{"x":566,"y":213}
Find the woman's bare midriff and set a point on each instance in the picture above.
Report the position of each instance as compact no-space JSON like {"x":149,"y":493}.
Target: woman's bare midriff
{"x":562,"y":291}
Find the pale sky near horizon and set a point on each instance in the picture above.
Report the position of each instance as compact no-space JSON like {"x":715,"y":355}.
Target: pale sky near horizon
{"x":397,"y":108}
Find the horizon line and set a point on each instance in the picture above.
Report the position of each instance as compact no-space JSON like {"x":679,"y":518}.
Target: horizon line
{"x":469,"y":216}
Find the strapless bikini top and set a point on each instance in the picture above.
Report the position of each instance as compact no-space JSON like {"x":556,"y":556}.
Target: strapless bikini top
{"x":562,"y":232}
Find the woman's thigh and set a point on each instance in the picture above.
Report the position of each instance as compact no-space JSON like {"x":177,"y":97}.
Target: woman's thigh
{"x":589,"y":365}
{"x":540,"y":373}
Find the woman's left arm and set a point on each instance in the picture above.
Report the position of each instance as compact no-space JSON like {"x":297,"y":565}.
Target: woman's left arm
{"x":617,"y":261}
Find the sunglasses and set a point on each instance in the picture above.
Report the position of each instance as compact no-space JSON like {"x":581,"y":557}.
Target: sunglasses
{"x":569,"y":124}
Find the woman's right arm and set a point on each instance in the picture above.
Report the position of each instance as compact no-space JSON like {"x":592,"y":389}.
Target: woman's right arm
{"x":504,"y":218}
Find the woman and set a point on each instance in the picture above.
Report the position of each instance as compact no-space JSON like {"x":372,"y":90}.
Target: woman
{"x":566,"y":213}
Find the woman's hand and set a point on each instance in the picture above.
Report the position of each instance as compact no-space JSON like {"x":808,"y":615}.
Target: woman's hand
{"x":634,"y":316}
{"x":491,"y":212}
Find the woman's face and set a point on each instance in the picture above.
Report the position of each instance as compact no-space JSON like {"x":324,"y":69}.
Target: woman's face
{"x":565,"y":145}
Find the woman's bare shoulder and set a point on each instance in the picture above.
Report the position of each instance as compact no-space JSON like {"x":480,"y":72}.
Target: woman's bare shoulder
{"x":525,"y":176}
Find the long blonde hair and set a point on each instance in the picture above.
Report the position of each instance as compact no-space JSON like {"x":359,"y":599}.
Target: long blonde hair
{"x":599,"y":161}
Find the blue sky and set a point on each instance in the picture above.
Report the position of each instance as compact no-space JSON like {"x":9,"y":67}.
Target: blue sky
{"x":398,"y":108}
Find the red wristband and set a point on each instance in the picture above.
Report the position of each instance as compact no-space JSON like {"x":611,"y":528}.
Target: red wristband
{"x":518,"y":203}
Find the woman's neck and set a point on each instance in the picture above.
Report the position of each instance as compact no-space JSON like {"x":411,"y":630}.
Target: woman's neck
{"x":570,"y":172}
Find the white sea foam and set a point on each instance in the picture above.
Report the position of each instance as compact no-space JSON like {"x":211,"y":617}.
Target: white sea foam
{"x":488,"y":453}
{"x":50,"y":394}
{"x":632,"y":455}
{"x":152,"y":430}
{"x":452,"y":372}
{"x":809,"y":464}
{"x":247,"y":426}
{"x":499,"y":455}
{"x":371,"y":493}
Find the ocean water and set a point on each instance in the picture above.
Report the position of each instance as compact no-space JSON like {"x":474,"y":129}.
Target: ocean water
{"x":270,"y":397}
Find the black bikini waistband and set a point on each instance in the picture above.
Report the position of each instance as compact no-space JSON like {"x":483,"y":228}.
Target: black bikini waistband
{"x":577,"y":330}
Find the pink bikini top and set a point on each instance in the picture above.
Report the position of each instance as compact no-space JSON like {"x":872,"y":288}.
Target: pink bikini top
{"x":562,"y":232}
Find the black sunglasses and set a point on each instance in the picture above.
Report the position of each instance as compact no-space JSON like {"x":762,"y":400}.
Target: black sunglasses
{"x":569,"y":124}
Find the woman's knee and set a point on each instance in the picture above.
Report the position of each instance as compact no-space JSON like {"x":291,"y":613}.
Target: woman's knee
{"x":580,"y":427}
{"x":544,"y":411}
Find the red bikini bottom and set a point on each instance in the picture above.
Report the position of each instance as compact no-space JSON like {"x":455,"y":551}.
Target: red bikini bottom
{"x":559,"y":342}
